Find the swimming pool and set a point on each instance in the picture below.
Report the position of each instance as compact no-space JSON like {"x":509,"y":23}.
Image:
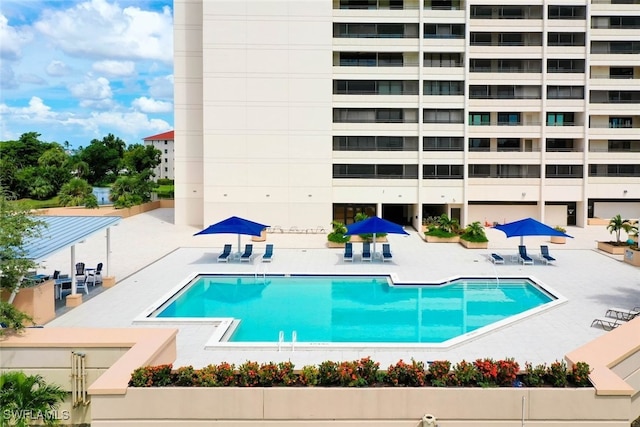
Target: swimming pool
{"x":351,"y":309}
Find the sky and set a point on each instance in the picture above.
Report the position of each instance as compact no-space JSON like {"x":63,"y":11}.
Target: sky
{"x":78,"y":70}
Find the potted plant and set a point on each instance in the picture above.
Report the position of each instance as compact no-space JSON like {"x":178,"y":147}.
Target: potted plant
{"x":559,"y":239}
{"x":445,"y":230}
{"x":474,"y":237}
{"x":337,"y":238}
{"x":616,"y":225}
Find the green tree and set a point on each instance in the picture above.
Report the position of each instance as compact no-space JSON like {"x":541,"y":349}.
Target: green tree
{"x":133,"y":189}
{"x":139,"y":158}
{"x":12,"y":319}
{"x":17,"y":225}
{"x":617,"y":224}
{"x":75,"y":192}
{"x":104,"y":158}
{"x":23,"y":396}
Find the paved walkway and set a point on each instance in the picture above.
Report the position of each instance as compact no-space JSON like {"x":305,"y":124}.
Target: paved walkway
{"x":150,"y":256}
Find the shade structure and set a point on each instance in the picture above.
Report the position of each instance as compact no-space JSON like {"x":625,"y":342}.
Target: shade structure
{"x":374,"y":225}
{"x":234,"y":225}
{"x":529,"y":227}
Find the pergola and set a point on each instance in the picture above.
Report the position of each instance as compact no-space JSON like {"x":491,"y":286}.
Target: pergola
{"x":66,"y":231}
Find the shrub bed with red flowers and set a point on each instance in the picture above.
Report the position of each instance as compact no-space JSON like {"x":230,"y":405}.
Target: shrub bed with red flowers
{"x":366,"y":373}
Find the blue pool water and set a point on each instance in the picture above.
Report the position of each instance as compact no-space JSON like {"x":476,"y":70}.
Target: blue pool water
{"x":353,"y":309}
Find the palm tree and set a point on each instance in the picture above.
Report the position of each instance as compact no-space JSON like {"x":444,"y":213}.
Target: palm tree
{"x":25,"y":396}
{"x":616,"y":224}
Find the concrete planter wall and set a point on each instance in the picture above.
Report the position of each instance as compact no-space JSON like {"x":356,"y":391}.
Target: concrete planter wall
{"x":382,"y":407}
{"x":37,"y":301}
{"x":558,"y":239}
{"x":433,"y":239}
{"x":612,"y":249}
{"x":474,"y":245}
{"x":632,"y":257}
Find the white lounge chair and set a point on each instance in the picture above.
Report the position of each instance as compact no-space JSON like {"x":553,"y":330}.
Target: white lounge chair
{"x":496,"y":258}
{"x":607,"y":323}
{"x":622,"y":313}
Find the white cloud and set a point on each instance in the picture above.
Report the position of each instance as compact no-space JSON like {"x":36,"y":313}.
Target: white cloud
{"x":7,"y":76}
{"x":150,"y":105}
{"x":115,"y":68}
{"x":161,"y":87}
{"x":12,"y":40}
{"x":94,"y":90}
{"x":129,"y":123}
{"x":98,"y":29}
{"x":31,"y":79}
{"x":58,"y":69}
{"x":36,"y":111}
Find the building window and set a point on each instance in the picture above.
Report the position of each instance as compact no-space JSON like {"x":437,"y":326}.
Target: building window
{"x":375,"y":171}
{"x":565,"y":65}
{"x":479,"y":171}
{"x":375,"y":87}
{"x":567,"y":12}
{"x":563,"y":171}
{"x":565,"y":92}
{"x":443,"y":31}
{"x":166,"y":169}
{"x":629,"y":170}
{"x":620,"y":72}
{"x":442,"y":172}
{"x":479,"y":144}
{"x":367,"y":115}
{"x":375,"y":143}
{"x":166,"y":151}
{"x":443,"y":59}
{"x":508,"y":144}
{"x":509,"y":119}
{"x":559,"y":144}
{"x":166,"y":160}
{"x":479,"y":119}
{"x":443,"y":143}
{"x":166,"y":142}
{"x":444,"y":87}
{"x":565,"y":39}
{"x":443,"y":116}
{"x":620,"y":122}
{"x":560,"y":119}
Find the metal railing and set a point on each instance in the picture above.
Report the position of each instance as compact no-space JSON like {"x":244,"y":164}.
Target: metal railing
{"x":78,"y":379}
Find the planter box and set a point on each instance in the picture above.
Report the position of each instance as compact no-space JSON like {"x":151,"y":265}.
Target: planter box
{"x":558,"y":239}
{"x":612,"y":249}
{"x":37,"y":301}
{"x":474,"y":245}
{"x":296,"y":406}
{"x":433,"y":239}
{"x":261,"y":238}
{"x":357,"y":239}
{"x":335,"y":245}
{"x":632,"y":257}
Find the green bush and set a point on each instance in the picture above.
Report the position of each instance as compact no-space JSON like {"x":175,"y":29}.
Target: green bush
{"x":337,"y":235}
{"x":165,"y":181}
{"x":474,"y":232}
{"x":439,"y":232}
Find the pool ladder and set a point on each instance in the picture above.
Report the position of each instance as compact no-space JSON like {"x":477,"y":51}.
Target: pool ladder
{"x":264,"y":271}
{"x":294,"y":338}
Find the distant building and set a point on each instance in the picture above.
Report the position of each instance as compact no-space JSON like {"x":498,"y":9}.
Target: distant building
{"x":164,"y":143}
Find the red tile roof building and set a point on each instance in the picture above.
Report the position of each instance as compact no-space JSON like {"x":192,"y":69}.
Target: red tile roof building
{"x":164,"y":143}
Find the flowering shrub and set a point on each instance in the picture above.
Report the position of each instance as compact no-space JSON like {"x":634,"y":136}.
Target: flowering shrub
{"x":534,"y":375}
{"x":439,"y":371}
{"x":403,"y":374}
{"x":580,"y":374}
{"x":365,"y":372}
{"x":464,"y":374}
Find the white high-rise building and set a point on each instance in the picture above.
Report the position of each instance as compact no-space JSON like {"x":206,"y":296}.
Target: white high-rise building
{"x":298,"y":112}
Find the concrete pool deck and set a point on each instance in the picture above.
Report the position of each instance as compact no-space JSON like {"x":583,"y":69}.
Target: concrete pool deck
{"x":150,"y":256}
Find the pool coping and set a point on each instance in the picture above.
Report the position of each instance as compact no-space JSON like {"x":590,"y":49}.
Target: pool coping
{"x":224,"y":325}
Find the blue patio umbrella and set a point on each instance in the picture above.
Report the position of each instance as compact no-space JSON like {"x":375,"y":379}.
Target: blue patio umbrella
{"x":234,"y":225}
{"x":374,"y":225}
{"x":529,"y":227}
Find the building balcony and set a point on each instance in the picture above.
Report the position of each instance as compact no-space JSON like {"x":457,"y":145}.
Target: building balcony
{"x":505,"y":104}
{"x":376,"y":101}
{"x":568,"y":157}
{"x":443,"y":129}
{"x":500,"y":77}
{"x":613,"y":156}
{"x":504,"y":157}
{"x":566,"y":52}
{"x":505,"y":52}
{"x":567,"y":130}
{"x":443,"y":44}
{"x":606,"y":132}
{"x":566,"y":104}
{"x":614,"y":59}
{"x":376,"y":44}
{"x":565,"y":79}
{"x":398,"y":127}
{"x":508,"y":25}
{"x":494,"y":130}
{"x":376,"y":73}
{"x":375,"y":156}
{"x":566,"y":25}
{"x":623,"y":109}
{"x":444,"y":101}
{"x":607,"y":83}
{"x":603,"y":8}
{"x":443,"y":73}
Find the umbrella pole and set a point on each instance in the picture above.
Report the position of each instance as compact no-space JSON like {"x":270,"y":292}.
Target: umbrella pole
{"x":239,"y":250}
{"x":374,"y":245}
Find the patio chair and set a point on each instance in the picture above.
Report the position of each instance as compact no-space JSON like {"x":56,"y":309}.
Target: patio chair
{"x":95,"y":275}
{"x":386,"y":252}
{"x":524,"y":258}
{"x":268,"y":253}
{"x":622,"y":313}
{"x":348,"y":252}
{"x":225,"y":254}
{"x":544,"y":254}
{"x":81,"y":278}
{"x":607,"y":324}
{"x":366,"y":251}
{"x":248,"y":251}
{"x":496,"y":258}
